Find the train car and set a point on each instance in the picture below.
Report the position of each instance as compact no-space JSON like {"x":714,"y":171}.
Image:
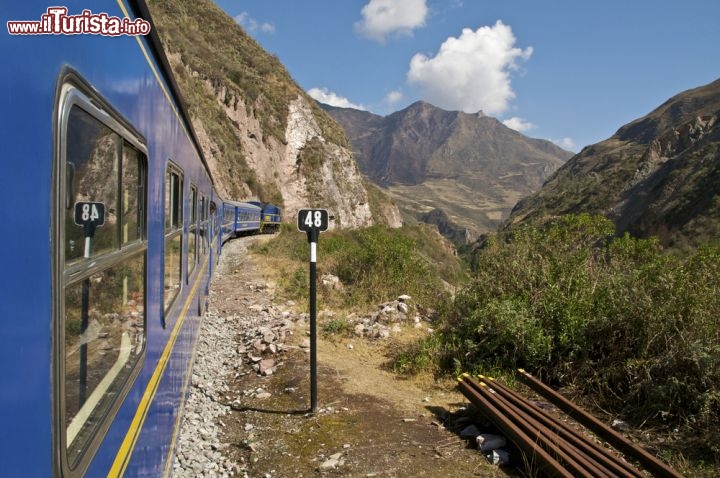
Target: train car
{"x":240,"y":218}
{"x":270,"y":218}
{"x":112,"y":225}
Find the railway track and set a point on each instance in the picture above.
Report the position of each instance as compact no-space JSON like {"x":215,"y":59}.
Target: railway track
{"x":549,"y":444}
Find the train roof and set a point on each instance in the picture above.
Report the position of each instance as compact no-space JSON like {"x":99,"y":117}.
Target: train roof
{"x":245,"y":205}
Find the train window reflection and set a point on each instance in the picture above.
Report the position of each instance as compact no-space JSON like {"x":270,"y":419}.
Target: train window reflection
{"x":173,"y":234}
{"x":203,"y":224}
{"x":173,"y":248}
{"x":93,"y":155}
{"x":104,"y":340}
{"x":132,"y":187}
{"x":214,"y":223}
{"x":192,"y":231}
{"x":101,"y":299}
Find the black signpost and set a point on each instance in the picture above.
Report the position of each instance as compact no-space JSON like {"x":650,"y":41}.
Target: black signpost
{"x":89,"y":215}
{"x":313,"y":221}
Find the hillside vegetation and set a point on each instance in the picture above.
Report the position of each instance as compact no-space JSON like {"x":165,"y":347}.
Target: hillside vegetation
{"x":374,"y":265}
{"x":217,"y":49}
{"x":656,"y":176}
{"x":618,"y":319}
{"x":239,"y":97}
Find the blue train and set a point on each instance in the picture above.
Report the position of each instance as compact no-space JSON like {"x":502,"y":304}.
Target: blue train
{"x":240,"y":218}
{"x":270,"y":216}
{"x":112,"y":228}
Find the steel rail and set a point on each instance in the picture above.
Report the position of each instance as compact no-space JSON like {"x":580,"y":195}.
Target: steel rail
{"x":598,"y":453}
{"x":546,"y":462}
{"x":652,"y":463}
{"x":596,"y":468}
{"x":563,"y":451}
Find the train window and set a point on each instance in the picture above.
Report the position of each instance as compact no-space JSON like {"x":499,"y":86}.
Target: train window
{"x":206,"y":225}
{"x":203,"y":224}
{"x":132,"y":184}
{"x":173,"y":203}
{"x":192,"y":231}
{"x":101,"y":282}
{"x":193,"y":204}
{"x":92,"y":162}
{"x":213,"y":219}
{"x":173,"y":249}
{"x":173,"y":234}
{"x":104,"y":338}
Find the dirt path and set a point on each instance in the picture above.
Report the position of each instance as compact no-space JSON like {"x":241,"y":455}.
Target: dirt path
{"x":370,"y":423}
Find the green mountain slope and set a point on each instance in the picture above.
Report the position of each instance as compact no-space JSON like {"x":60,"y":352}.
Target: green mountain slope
{"x":659,"y":175}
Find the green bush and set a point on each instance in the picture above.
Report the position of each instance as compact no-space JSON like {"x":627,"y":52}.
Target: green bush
{"x":333,"y":327}
{"x":418,"y":357}
{"x":374,"y":265}
{"x":378,"y":264}
{"x":617,"y":317}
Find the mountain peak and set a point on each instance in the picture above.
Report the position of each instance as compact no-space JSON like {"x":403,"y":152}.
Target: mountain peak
{"x":420,"y":104}
{"x":469,"y":163}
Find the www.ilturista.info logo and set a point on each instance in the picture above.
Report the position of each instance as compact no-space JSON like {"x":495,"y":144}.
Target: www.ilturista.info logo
{"x":57,"y":22}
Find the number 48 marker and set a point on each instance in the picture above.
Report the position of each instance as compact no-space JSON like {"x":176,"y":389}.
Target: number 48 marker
{"x":313,"y":221}
{"x":309,"y":219}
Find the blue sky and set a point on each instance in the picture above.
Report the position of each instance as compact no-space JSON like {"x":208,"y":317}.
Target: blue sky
{"x":571,"y":72}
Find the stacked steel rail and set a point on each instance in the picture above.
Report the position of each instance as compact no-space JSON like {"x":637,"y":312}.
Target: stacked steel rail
{"x":550,"y":444}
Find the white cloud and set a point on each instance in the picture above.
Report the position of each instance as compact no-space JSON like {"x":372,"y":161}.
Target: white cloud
{"x":393,"y":97}
{"x":519,"y":124}
{"x":471,"y":72}
{"x":251,"y":25}
{"x":382,"y":18}
{"x":323,"y":95}
{"x":566,"y":143}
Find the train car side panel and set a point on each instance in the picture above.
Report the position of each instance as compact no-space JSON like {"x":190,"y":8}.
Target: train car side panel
{"x":25,"y":390}
{"x":114,"y":225}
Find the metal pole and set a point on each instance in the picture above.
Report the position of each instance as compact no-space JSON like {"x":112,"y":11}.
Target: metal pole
{"x":312,"y":238}
{"x":84,"y":324}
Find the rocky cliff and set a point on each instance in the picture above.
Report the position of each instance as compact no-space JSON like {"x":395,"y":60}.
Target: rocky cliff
{"x":658,"y":175}
{"x":263,"y":137}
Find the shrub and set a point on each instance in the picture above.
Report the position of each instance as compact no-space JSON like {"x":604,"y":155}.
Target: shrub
{"x":378,"y":264}
{"x":332,"y":327}
{"x":617,"y":317}
{"x":374,"y":265}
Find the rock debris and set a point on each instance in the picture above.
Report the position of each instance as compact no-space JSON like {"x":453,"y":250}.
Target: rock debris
{"x":246,"y":338}
{"x":241,"y":333}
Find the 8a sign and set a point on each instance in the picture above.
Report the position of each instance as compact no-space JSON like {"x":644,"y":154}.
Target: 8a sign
{"x":309,"y":219}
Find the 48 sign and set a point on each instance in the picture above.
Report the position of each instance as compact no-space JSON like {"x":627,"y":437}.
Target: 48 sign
{"x":313,"y":221}
{"x":309,"y":219}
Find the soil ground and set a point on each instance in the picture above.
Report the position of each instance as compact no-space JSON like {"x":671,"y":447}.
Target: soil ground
{"x":381,"y":425}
